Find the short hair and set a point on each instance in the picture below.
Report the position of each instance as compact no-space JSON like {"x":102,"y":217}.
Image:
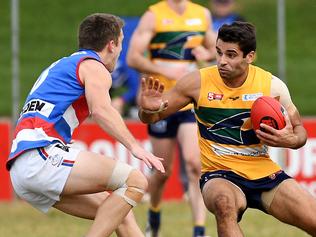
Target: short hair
{"x":242,"y":33}
{"x":98,"y":29}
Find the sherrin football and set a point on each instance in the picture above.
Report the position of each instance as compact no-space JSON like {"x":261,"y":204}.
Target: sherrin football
{"x":269,"y":111}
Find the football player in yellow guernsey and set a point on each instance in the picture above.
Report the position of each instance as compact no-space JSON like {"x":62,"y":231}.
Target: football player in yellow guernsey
{"x":172,"y":38}
{"x":237,"y":172}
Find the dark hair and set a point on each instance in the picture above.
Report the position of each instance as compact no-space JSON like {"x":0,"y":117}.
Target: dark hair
{"x":242,"y":33}
{"x":96,"y":30}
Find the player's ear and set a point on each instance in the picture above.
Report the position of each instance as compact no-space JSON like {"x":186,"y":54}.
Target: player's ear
{"x":250,"y":57}
{"x":111,"y":46}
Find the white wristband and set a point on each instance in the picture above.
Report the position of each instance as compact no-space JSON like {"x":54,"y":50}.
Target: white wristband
{"x":161,"y":108}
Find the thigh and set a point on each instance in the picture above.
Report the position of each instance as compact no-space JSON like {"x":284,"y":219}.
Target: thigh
{"x":220,"y":194}
{"x":293,"y":204}
{"x":91,"y":173}
{"x":83,"y":206}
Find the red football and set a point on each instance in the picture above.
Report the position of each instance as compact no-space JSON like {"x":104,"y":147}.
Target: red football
{"x":269,"y":111}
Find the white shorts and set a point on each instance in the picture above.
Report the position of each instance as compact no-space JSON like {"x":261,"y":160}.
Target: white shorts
{"x":38,"y":176}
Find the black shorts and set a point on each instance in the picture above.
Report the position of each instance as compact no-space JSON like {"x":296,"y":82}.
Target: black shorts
{"x":251,"y":188}
{"x":168,"y":127}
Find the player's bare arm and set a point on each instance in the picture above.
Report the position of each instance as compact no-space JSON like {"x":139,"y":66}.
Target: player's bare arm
{"x":207,"y":50}
{"x":293,"y":135}
{"x":139,"y":45}
{"x":156,"y":105}
{"x":97,"y":82}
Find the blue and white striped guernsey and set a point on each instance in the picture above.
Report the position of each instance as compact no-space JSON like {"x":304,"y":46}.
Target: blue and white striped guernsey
{"x":55,"y":106}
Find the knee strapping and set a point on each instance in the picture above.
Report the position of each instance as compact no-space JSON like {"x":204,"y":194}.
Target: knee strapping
{"x":118,"y":183}
{"x":132,"y":195}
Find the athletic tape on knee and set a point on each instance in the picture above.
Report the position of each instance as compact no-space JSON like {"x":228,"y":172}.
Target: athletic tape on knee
{"x":119,"y":176}
{"x":136,"y":192}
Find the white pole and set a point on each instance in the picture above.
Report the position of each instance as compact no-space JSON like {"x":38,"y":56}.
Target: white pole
{"x":281,"y":41}
{"x":15,"y":59}
{"x":280,"y":153}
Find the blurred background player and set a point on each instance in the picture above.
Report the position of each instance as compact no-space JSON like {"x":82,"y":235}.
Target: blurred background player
{"x":224,"y":12}
{"x":176,"y":35}
{"x":46,"y":171}
{"x":125,"y":80}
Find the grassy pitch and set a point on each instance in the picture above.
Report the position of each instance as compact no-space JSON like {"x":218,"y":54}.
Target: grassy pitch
{"x":19,"y":219}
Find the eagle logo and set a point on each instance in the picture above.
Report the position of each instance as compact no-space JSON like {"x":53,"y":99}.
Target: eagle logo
{"x":235,"y":129}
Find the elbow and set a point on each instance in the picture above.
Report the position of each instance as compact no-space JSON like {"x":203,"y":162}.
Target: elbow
{"x":302,"y":143}
{"x":97,"y":115}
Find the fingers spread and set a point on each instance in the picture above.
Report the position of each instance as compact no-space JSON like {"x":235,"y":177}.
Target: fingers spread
{"x":156,"y":85}
{"x":161,"y":88}
{"x":143,"y":84}
{"x":150,"y":83}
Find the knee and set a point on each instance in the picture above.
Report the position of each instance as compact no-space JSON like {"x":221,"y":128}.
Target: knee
{"x":193,"y":168}
{"x":128,"y":183}
{"x":137,"y":179}
{"x":224,"y":208}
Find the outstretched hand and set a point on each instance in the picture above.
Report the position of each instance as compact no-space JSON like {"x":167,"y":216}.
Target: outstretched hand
{"x":151,"y":96}
{"x":149,"y":159}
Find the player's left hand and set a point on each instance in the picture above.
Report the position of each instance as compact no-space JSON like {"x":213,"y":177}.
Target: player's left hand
{"x":277,"y":138}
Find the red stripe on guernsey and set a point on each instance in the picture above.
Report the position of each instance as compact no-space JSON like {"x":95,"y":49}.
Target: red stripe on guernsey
{"x":69,"y":161}
{"x":77,"y":71}
{"x":44,"y":152}
{"x":31,"y":123}
{"x":77,"y":68}
{"x":81,"y":108}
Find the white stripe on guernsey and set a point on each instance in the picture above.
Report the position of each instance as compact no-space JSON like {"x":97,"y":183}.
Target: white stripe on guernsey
{"x":71,"y":118}
{"x":38,"y":106}
{"x":30,"y":135}
{"x":248,"y":151}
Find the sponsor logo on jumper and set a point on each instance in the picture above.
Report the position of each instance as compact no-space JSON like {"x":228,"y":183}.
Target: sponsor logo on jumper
{"x":214,"y":96}
{"x":253,"y":152}
{"x":159,"y":127}
{"x":39,"y":106}
{"x":56,"y":159}
{"x":193,"y":21}
{"x":233,"y":98}
{"x":251,"y":97}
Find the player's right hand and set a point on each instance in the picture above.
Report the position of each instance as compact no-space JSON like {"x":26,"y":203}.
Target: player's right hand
{"x":151,"y":95}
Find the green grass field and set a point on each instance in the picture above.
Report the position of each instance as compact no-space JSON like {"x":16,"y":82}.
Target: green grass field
{"x":48,"y":31}
{"x":18,"y":219}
